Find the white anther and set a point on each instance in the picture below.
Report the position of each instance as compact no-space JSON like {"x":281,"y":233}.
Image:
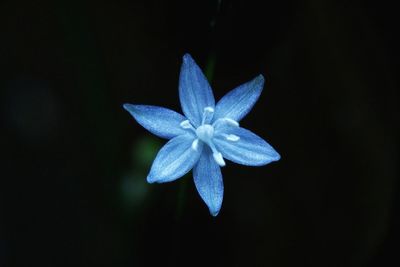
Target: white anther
{"x":209,"y":109}
{"x":219,"y":159}
{"x":195,"y":144}
{"x":232,"y":137}
{"x":226,"y":121}
{"x":231,"y":122}
{"x":186,"y":124}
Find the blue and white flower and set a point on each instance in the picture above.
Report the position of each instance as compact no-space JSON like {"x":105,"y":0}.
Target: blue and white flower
{"x":206,"y":135}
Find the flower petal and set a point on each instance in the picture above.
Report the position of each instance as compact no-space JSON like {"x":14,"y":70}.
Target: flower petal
{"x":249,"y":149}
{"x":194,"y":91}
{"x":174,"y":159}
{"x":238,"y":102}
{"x":208,"y":180}
{"x":162,"y":122}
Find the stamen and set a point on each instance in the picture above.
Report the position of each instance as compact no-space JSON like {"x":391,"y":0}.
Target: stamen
{"x":207,"y":114}
{"x":187,"y":125}
{"x":232,"y":137}
{"x":217,"y":155}
{"x":209,"y":109}
{"x":219,"y":159}
{"x":226,"y":121}
{"x":195,"y":144}
{"x":205,"y":133}
{"x":231,"y":122}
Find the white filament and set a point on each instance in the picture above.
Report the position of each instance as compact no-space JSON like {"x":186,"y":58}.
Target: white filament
{"x":208,"y":112}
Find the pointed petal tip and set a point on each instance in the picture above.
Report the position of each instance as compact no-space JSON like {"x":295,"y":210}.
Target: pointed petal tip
{"x":214,"y":213}
{"x":130,"y":107}
{"x":126,"y":106}
{"x":187,"y":57}
{"x":275,"y":156}
{"x":272,"y":158}
{"x":150,"y":179}
{"x":260,"y":79}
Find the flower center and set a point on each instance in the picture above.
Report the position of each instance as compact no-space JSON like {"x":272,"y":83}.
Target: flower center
{"x":205,"y":133}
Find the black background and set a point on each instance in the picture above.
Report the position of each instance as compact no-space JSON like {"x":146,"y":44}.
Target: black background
{"x":73,"y":190}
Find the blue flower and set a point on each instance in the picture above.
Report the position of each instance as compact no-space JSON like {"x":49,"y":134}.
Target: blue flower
{"x":206,"y":135}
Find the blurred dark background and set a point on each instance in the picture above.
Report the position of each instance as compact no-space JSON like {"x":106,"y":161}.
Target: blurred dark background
{"x":72,"y":186}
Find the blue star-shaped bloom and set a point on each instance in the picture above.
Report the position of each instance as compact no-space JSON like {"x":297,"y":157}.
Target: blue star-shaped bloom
{"x":206,"y":135}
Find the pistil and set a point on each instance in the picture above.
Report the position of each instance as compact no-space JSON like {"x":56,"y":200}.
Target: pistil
{"x":205,"y":133}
